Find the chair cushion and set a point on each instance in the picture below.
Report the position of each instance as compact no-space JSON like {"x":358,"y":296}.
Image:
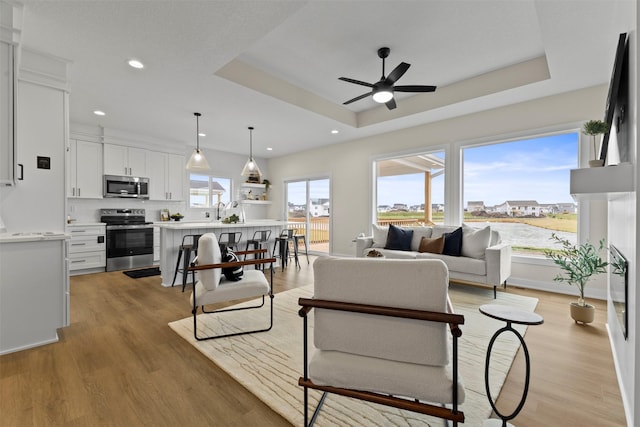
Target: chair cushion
{"x":209,"y":253}
{"x":427,"y":383}
{"x":453,"y":242}
{"x":412,"y":284}
{"x":253,"y":284}
{"x":434,"y":246}
{"x":475,"y":241}
{"x":399,"y":238}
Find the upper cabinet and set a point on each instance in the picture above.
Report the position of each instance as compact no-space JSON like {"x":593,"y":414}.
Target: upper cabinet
{"x":121,"y":160}
{"x":166,"y":176}
{"x":84,"y":171}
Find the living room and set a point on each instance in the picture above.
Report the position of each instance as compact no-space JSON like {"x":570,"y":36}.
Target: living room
{"x":347,"y":160}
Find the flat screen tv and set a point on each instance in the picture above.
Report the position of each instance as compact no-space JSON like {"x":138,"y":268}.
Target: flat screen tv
{"x":617,"y":100}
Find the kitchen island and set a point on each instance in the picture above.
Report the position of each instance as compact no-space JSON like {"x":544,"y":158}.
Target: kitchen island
{"x":171,"y":234}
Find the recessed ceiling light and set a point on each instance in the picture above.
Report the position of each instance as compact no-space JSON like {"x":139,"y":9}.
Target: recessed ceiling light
{"x":135,"y":63}
{"x":202,"y":134}
{"x":269,"y":149}
{"x":334,"y":131}
{"x":99,"y":113}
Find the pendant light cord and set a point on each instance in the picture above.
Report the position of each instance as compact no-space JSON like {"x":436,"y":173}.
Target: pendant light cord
{"x":197,"y":131}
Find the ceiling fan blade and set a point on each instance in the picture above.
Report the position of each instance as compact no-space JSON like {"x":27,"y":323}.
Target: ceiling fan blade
{"x":357,"y":98}
{"x":397,"y":72}
{"x":357,"y":82}
{"x":391,"y":104}
{"x":414,"y":88}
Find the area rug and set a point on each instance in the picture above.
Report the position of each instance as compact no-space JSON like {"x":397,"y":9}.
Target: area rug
{"x":143,"y":272}
{"x":269,"y":364}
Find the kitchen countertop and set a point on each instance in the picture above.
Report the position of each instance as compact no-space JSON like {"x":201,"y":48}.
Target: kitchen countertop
{"x":32,"y":236}
{"x":181,"y":225}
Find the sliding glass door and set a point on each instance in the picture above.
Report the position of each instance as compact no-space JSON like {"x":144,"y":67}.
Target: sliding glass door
{"x":309,"y":212}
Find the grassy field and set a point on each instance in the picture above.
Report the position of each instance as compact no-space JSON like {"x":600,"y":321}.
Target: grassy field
{"x":559,"y":222}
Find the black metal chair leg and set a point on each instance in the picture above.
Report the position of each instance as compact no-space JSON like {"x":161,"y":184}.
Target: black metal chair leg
{"x":175,"y":274}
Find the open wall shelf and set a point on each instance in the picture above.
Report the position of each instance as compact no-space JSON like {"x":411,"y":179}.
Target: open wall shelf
{"x":603,"y":183}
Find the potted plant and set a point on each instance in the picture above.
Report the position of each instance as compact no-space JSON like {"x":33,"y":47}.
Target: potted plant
{"x":266,"y":183}
{"x":578,"y":264}
{"x":595,"y":128}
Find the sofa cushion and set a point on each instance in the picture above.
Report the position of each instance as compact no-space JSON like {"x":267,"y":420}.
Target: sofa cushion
{"x":434,"y":246}
{"x":475,"y":241}
{"x":418,"y":233}
{"x":458,"y":264}
{"x":399,"y":238}
{"x":453,"y":242}
{"x":393,"y":254}
{"x":379,"y":236}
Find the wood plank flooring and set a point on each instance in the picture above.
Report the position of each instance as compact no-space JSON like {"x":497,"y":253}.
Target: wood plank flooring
{"x":119,"y":364}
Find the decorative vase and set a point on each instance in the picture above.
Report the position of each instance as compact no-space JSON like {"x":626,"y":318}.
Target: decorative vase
{"x":596,"y":163}
{"x":582,"y":313}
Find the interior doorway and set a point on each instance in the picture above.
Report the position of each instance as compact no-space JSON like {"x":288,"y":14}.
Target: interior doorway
{"x":309,"y":212}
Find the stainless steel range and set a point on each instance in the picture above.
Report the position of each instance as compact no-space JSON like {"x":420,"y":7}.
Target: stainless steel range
{"x":129,"y":238}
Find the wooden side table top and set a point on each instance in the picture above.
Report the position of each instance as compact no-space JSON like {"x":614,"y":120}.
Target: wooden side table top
{"x":510,"y":314}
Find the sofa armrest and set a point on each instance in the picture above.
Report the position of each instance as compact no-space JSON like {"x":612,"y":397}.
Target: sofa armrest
{"x":498,"y":258}
{"x":363,"y":243}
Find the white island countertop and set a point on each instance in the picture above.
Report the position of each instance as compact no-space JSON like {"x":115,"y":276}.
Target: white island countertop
{"x":186,"y":225}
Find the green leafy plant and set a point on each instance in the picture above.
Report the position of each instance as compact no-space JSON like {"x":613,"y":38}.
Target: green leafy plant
{"x":594,"y":128}
{"x":577,"y":262}
{"x":266,"y":183}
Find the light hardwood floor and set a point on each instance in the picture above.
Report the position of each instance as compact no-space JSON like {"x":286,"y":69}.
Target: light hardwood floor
{"x":120,"y":364}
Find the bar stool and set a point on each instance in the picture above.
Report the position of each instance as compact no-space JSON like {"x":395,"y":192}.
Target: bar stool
{"x":189,"y":246}
{"x":231,"y":239}
{"x":281,"y":247}
{"x":301,"y":237}
{"x":259,"y":240}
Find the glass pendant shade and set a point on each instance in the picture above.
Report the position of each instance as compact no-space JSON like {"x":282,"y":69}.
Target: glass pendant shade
{"x":197,"y":162}
{"x":251,"y":168}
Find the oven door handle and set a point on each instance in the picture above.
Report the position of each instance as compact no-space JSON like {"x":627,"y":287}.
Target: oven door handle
{"x":128,"y":227}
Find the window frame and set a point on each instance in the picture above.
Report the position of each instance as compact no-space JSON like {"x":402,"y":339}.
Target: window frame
{"x":211,"y":177}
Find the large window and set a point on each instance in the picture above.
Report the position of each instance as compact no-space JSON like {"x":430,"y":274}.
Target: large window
{"x":522,"y":188}
{"x":207,"y":191}
{"x":410,"y":189}
{"x":309,"y":211}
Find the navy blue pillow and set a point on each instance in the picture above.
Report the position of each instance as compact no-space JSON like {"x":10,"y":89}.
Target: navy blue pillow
{"x":453,"y":242}
{"x":399,"y":238}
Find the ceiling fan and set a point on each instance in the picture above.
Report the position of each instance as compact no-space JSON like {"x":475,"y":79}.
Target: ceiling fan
{"x":382,"y":91}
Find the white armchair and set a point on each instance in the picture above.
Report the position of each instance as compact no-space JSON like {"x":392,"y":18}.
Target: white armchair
{"x":380,"y":335}
{"x":212,"y":287}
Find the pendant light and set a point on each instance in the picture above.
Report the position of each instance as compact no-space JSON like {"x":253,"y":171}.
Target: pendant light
{"x":197,"y":162}
{"x":251,"y":168}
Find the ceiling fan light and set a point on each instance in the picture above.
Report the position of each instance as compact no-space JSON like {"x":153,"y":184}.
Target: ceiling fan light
{"x":382,"y":96}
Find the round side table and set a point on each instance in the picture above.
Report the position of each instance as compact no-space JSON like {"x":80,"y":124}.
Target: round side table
{"x":509,"y":315}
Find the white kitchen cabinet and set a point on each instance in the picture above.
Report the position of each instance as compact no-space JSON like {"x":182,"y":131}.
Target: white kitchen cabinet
{"x":87,"y":249}
{"x":166,"y":174}
{"x":84,"y":170}
{"x":121,"y":160}
{"x":34,"y":294}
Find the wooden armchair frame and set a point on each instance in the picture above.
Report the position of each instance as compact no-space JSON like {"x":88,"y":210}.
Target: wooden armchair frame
{"x":193,"y":268}
{"x":454,"y":321}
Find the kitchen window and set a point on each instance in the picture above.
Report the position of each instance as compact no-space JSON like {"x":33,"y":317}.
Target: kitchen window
{"x":208,"y":191}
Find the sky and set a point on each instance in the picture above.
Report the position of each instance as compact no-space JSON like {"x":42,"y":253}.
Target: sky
{"x":532,"y":169}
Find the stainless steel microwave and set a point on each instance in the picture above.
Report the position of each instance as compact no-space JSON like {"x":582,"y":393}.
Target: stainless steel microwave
{"x":126,"y":186}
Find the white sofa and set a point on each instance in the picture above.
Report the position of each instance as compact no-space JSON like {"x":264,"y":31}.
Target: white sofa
{"x":484,"y":260}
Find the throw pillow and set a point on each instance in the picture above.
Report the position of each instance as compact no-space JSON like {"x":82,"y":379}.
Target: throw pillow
{"x":231,"y":273}
{"x":453,"y":242}
{"x":434,"y":246}
{"x":475,"y":241}
{"x":379,"y":236}
{"x":399,"y":238}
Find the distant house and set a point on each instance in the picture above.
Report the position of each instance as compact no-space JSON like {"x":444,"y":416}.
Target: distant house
{"x":475,"y":206}
{"x":319,"y":207}
{"x":567,"y":208}
{"x":437,"y":207}
{"x":384,"y":208}
{"x":519,"y":208}
{"x":400,"y":207}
